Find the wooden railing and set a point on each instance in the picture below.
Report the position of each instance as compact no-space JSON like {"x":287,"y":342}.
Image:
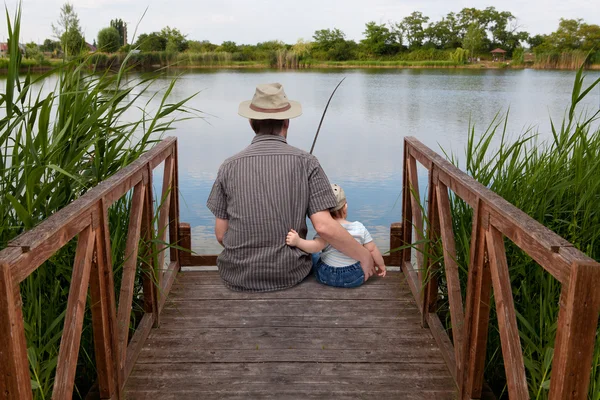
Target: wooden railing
{"x":494,"y":219}
{"x":87,"y":218}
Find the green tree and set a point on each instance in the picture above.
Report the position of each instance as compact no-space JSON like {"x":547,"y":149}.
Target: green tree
{"x":151,"y":42}
{"x":50,"y":46}
{"x":32,"y":50}
{"x":474,"y":39}
{"x":327,"y":39}
{"x":121,"y":27}
{"x":228,"y":46}
{"x":175,"y":40}
{"x":204,"y":46}
{"x":67,"y":30}
{"x":379,"y":40}
{"x":109,"y":40}
{"x":413,"y":28}
{"x":590,"y":37}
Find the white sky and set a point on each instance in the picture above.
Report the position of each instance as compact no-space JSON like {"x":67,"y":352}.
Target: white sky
{"x":252,"y":21}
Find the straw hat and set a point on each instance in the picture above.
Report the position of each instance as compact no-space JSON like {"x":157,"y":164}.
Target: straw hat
{"x":270,"y":102}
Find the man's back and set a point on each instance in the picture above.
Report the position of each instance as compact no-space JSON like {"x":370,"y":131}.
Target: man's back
{"x":263,"y":192}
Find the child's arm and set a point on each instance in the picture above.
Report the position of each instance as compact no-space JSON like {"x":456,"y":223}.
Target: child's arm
{"x":379,"y":263}
{"x":309,"y":246}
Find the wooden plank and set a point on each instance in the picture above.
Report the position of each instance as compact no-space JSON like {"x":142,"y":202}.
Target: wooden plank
{"x":290,"y":337}
{"x":106,"y":361}
{"x":129,"y":270}
{"x":163,"y":216}
{"x":206,"y":378}
{"x":470,"y":377}
{"x":176,"y":353}
{"x":137,"y":342}
{"x":71,"y":336}
{"x":451,"y":268}
{"x":14,"y":366}
{"x":576,"y":333}
{"x":443,"y":342}
{"x":411,"y":278}
{"x":507,"y":321}
{"x":286,"y":391}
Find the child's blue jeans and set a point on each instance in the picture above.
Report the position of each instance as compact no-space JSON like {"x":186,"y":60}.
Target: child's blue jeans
{"x":346,"y":277}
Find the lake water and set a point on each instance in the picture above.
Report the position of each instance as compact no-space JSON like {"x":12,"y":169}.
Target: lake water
{"x":360,"y":144}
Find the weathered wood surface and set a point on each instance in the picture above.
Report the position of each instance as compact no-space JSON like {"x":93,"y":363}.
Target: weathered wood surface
{"x":311,"y":341}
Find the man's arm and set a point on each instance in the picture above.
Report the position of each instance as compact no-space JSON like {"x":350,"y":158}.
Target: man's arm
{"x":221,"y":226}
{"x":341,"y":240}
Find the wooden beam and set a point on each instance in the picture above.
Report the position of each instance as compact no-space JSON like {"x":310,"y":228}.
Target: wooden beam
{"x":129,"y":270}
{"x":395,"y":243}
{"x":470,"y":377}
{"x":185,"y":242}
{"x":71,"y":337}
{"x":15,"y":383}
{"x":576,"y":333}
{"x":451,"y":267}
{"x":512,"y":353}
{"x":163,"y":215}
{"x":150,"y":270}
{"x":430,"y":282}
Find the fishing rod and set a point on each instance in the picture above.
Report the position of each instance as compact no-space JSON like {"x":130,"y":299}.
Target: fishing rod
{"x":323,"y":116}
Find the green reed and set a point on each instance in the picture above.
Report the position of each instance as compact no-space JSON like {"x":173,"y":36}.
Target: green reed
{"x":57,"y":143}
{"x":557,"y":183}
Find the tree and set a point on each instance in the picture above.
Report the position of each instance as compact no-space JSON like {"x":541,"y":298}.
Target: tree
{"x":151,"y":42}
{"x":412,"y":27}
{"x":109,"y":40}
{"x":50,"y":46}
{"x":590,"y":37}
{"x":67,"y":30}
{"x":228,"y":46}
{"x":379,"y":40}
{"x":32,"y":50}
{"x":175,"y":40}
{"x":203,"y":46}
{"x":537,"y":40}
{"x":474,"y":38}
{"x":121,"y":27}
{"x":327,"y":39}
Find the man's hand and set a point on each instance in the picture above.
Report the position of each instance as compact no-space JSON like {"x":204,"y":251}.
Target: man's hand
{"x":292,"y":238}
{"x":368,"y":267}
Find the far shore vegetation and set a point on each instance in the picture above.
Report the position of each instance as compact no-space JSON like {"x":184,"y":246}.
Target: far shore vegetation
{"x":462,"y":39}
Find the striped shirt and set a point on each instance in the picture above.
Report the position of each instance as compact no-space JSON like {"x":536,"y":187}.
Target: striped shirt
{"x":335,"y":258}
{"x":264,"y":191}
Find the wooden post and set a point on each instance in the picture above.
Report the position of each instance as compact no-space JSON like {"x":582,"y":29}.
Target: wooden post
{"x":150,"y":272}
{"x":15,"y":382}
{"x":71,"y":335}
{"x":577,"y":321}
{"x":407,"y":227}
{"x":470,"y":379}
{"x":185,"y":242}
{"x":430,"y":280}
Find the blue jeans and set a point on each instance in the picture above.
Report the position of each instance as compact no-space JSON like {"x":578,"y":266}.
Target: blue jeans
{"x":346,"y":277}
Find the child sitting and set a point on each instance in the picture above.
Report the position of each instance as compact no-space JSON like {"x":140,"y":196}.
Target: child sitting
{"x":332,"y":267}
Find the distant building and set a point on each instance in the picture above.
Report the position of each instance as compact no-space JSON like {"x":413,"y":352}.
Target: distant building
{"x":498,"y":54}
{"x":4,"y":49}
{"x":90,"y":47}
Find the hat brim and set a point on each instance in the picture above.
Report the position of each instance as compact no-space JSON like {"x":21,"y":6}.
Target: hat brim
{"x":245,"y":111}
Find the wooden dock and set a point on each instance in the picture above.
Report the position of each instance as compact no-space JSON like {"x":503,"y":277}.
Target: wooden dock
{"x":311,"y":342}
{"x":193,"y":338}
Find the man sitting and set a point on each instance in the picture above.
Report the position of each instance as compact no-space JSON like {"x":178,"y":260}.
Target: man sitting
{"x":266,"y":190}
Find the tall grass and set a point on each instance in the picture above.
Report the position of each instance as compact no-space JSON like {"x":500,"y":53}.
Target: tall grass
{"x":558,"y":184}
{"x":571,"y":59}
{"x":56,"y":144}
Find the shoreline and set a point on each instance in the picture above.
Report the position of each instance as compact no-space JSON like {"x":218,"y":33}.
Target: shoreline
{"x":333,"y":65}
